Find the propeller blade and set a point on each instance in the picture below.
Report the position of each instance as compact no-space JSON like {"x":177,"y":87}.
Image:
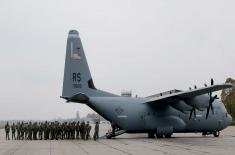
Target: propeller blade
{"x":212,"y":108}
{"x":212,"y":81}
{"x":212,"y":99}
{"x":191,"y":112}
{"x":207,"y":112}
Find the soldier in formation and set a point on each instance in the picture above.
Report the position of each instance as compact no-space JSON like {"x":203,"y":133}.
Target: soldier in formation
{"x":13,"y":130}
{"x":50,"y":130}
{"x":7,"y":130}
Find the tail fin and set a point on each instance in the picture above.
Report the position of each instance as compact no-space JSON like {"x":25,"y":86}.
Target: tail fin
{"x":77,"y":76}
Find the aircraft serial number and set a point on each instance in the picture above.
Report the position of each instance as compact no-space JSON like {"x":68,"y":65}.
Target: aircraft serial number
{"x":77,"y":85}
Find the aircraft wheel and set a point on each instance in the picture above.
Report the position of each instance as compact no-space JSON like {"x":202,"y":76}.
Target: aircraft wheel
{"x":216,"y":133}
{"x":151,"y":135}
{"x":168,"y":135}
{"x":204,"y":133}
{"x":159,"y":135}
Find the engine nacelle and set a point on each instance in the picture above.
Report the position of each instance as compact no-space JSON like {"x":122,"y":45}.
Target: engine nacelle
{"x":199,"y":102}
{"x":182,"y":106}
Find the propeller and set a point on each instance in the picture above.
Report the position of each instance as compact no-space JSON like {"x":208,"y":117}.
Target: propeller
{"x":211,"y":100}
{"x":212,"y":82}
{"x":192,"y":112}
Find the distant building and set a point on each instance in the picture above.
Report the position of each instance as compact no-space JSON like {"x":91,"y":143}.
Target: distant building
{"x":126,"y":93}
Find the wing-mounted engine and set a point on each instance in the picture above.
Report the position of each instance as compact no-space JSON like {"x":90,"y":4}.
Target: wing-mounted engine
{"x":181,"y":106}
{"x":191,"y":100}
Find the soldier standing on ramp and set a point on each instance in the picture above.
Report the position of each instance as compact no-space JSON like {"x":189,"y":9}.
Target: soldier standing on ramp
{"x":113,"y":128}
{"x":96,"y":133}
{"x":7,"y":130}
{"x":13,"y":130}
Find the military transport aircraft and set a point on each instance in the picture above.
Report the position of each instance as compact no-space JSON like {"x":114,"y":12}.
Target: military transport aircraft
{"x":174,"y":111}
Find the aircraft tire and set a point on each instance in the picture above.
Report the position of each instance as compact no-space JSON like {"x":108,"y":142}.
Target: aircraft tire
{"x":159,"y":135}
{"x":216,"y":133}
{"x":204,"y":133}
{"x":168,"y":135}
{"x":151,"y":135}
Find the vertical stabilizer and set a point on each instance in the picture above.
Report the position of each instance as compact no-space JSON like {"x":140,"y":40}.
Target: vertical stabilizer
{"x":77,"y":76}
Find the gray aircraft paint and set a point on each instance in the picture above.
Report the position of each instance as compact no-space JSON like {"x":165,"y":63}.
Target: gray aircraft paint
{"x":76,"y":71}
{"x":137,"y":115}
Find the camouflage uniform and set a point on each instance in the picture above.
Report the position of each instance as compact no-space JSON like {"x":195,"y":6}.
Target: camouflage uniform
{"x":63,"y":131}
{"x":96,"y":133}
{"x":22,"y":130}
{"x":77,"y":130}
{"x":30,"y":130}
{"x":13,"y":130}
{"x":35,"y":130}
{"x":82,"y":131}
{"x":18,"y":130}
{"x":40,"y":130}
{"x":7,"y":130}
{"x":88,"y":130}
{"x":45,"y":130}
{"x":73,"y":130}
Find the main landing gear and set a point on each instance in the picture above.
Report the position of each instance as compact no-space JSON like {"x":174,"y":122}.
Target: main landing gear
{"x":215,"y":133}
{"x":152,"y":135}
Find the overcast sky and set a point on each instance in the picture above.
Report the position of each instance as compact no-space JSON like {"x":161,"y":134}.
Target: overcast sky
{"x":145,"y":46}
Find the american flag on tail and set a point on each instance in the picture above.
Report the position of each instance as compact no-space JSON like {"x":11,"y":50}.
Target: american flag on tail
{"x":76,"y":56}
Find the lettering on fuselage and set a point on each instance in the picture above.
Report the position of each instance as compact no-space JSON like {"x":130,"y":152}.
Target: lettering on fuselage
{"x":76,"y":78}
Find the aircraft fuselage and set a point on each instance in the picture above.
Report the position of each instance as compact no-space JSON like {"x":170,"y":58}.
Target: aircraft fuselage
{"x":136,"y":116}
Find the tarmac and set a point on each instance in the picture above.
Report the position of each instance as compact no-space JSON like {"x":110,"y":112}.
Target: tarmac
{"x":179,"y":144}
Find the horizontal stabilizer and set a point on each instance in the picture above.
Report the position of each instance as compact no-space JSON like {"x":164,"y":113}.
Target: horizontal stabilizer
{"x":80,"y":98}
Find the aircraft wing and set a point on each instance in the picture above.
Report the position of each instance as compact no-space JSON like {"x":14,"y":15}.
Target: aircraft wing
{"x":189,"y":94}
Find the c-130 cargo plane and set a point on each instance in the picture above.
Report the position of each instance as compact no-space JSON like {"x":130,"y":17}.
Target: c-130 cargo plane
{"x":175,"y":111}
